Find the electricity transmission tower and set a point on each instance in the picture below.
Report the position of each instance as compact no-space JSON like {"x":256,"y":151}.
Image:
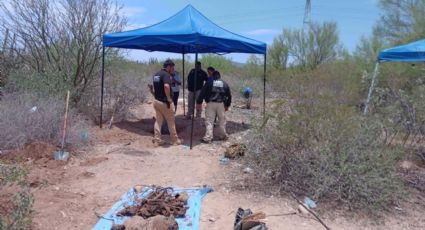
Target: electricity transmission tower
{"x":307,"y":14}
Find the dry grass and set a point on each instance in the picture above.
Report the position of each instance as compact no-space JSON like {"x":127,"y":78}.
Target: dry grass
{"x":15,"y":198}
{"x":25,"y":118}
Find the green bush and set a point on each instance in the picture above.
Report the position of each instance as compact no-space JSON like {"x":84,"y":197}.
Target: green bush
{"x":220,"y":63}
{"x":11,"y":174}
{"x":52,"y":84}
{"x":315,"y":142}
{"x":13,"y":180}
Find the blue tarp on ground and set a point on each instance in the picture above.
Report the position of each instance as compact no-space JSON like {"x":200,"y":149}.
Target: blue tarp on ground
{"x":412,"y":52}
{"x":188,"y":31}
{"x":190,"y":222}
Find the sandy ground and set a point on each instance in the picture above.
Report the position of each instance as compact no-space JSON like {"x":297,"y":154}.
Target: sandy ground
{"x":67,"y":196}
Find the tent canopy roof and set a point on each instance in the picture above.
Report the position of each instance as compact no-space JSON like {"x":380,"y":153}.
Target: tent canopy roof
{"x":188,"y":31}
{"x":412,"y":52}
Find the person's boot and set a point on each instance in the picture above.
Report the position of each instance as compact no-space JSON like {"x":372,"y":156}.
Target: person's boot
{"x":178,"y":142}
{"x":206,"y":141}
{"x":224,"y":138}
{"x":157,"y":142}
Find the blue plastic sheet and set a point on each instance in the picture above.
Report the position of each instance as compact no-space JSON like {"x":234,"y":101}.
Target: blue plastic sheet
{"x":247,"y":91}
{"x":189,"y":222}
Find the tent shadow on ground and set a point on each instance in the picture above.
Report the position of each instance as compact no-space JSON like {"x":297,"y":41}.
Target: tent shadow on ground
{"x":145,"y":127}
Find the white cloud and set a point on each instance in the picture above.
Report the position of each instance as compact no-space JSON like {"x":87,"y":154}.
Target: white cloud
{"x":262,"y":32}
{"x":133,"y":11}
{"x":134,"y":26}
{"x":142,"y":55}
{"x":269,"y":42}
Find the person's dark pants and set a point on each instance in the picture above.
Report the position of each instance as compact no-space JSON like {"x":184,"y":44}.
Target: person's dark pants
{"x":164,"y":128}
{"x":175,"y":100}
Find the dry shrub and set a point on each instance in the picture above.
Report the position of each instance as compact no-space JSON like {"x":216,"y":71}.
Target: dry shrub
{"x":125,"y":86}
{"x":237,"y":82}
{"x":315,"y":143}
{"x":416,"y":179}
{"x":25,"y":118}
{"x":342,"y":159}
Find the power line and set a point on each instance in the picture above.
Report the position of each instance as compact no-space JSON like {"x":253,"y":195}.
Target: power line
{"x":281,"y":10}
{"x":283,"y":14}
{"x":255,"y":18}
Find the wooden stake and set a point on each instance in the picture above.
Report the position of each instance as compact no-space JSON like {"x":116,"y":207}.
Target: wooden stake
{"x":310,"y":211}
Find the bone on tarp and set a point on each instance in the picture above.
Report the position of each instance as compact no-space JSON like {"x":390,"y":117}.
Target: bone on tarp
{"x":160,"y":202}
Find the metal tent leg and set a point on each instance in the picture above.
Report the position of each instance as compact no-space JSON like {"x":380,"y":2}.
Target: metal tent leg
{"x":184,"y":104}
{"x":264,"y":87}
{"x":101,"y":88}
{"x":372,"y":85}
{"x":194,"y":103}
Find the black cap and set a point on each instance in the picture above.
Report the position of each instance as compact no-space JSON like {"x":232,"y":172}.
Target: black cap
{"x":168,"y":62}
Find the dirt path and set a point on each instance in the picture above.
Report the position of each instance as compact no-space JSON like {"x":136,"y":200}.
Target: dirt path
{"x":68,"y":196}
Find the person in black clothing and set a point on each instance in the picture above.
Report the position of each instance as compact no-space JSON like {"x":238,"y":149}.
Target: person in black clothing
{"x":175,"y":87}
{"x":194,"y":86}
{"x":163,"y":103}
{"x":216,"y":94}
{"x":210,"y":71}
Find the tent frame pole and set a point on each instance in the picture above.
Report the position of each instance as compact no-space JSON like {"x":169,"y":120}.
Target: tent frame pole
{"x":264,"y":86}
{"x":194,"y":102}
{"x":184,"y":104}
{"x":101,"y":88}
{"x":372,"y":85}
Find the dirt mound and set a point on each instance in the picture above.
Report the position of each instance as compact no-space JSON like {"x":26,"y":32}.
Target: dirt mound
{"x":37,"y":153}
{"x":34,"y":151}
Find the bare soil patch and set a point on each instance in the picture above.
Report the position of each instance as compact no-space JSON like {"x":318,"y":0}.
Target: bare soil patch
{"x":93,"y":161}
{"x":6,"y":200}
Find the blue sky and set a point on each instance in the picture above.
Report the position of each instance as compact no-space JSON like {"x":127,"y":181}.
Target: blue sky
{"x":258,"y":19}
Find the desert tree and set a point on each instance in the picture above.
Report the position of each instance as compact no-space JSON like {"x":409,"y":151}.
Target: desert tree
{"x":63,"y":37}
{"x":306,"y":49}
{"x":278,"y":53}
{"x":401,"y":20}
{"x":8,"y":58}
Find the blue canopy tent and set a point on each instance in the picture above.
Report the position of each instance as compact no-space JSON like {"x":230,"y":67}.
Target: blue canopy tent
{"x":188,"y":31}
{"x":412,"y":52}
